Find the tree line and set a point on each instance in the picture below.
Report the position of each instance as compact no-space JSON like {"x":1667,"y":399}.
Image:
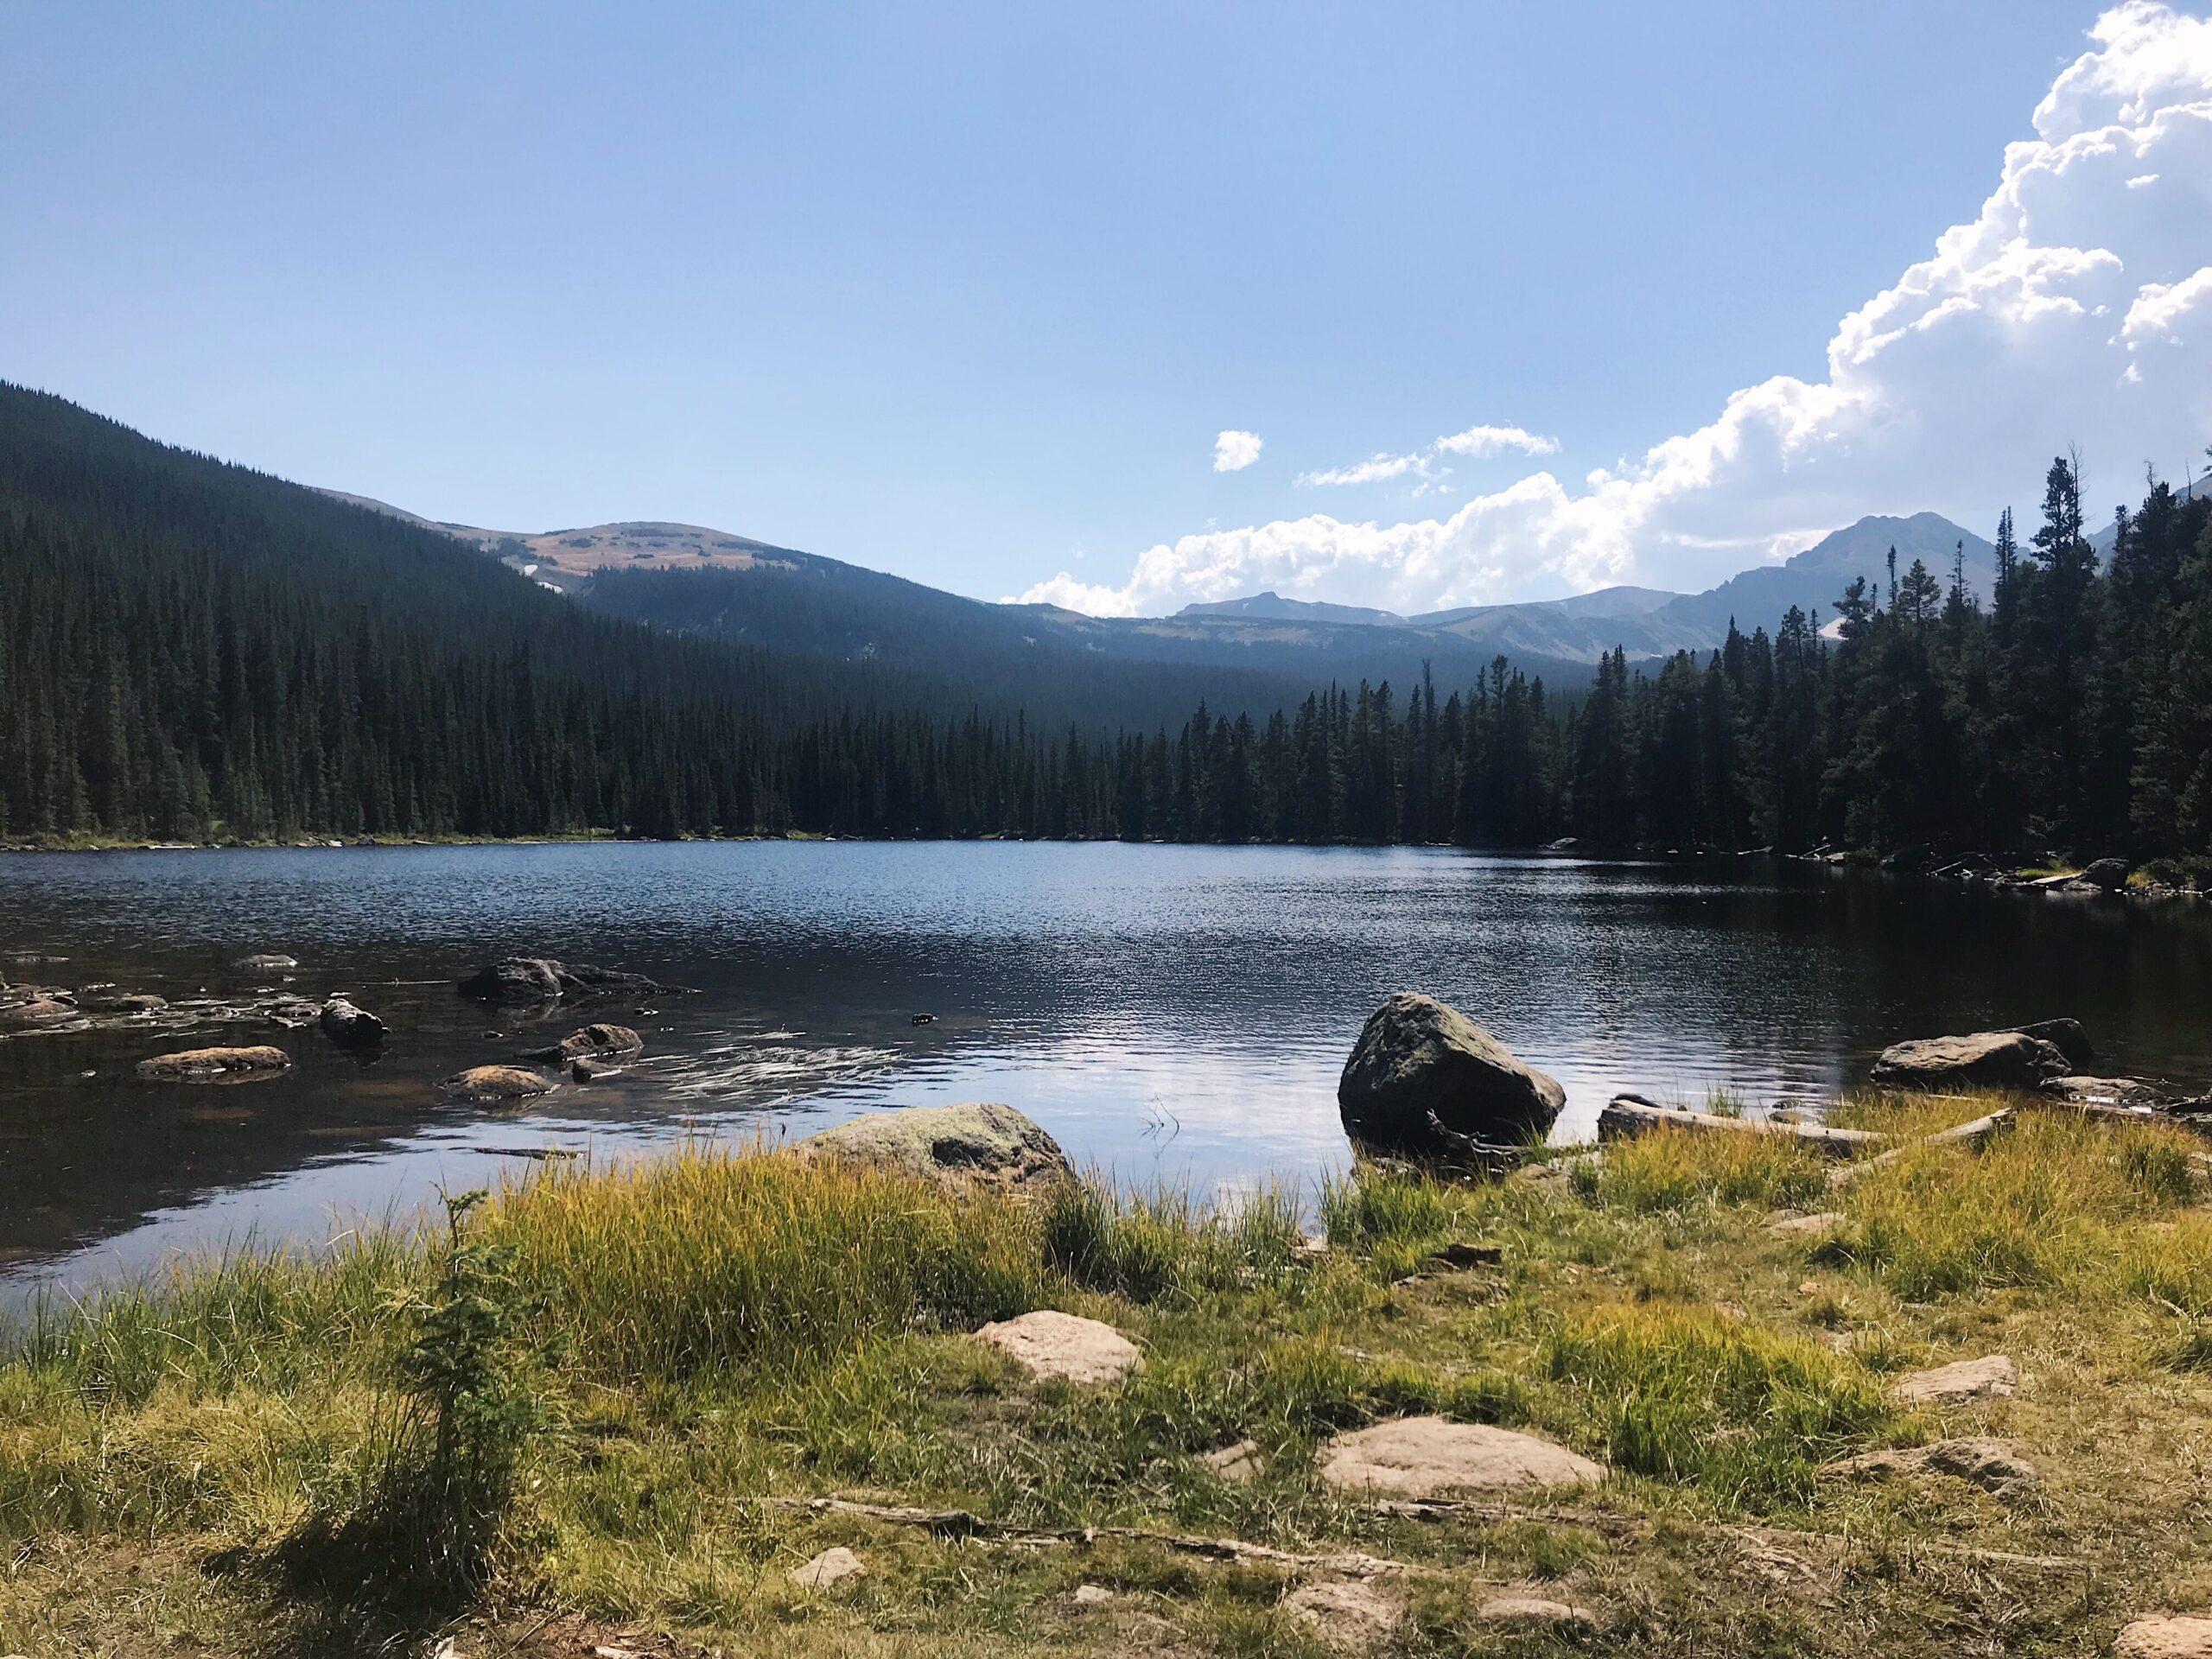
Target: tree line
{"x":195,"y":651}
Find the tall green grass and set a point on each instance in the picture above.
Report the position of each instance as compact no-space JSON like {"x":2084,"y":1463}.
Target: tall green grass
{"x":1685,"y":1394}
{"x":1674,"y":1169}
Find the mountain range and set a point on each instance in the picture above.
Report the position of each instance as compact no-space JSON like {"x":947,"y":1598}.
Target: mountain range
{"x":1253,"y":652}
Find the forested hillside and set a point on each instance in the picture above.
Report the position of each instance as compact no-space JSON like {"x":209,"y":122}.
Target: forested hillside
{"x":191,"y":649}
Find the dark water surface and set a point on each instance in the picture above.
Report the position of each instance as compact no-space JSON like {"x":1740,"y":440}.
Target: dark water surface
{"x":1167,"y":1012}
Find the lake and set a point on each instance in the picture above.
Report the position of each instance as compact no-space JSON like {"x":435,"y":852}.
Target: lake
{"x":1176,"y":1012}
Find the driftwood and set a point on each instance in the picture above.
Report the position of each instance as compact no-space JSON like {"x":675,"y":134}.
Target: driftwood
{"x":963,"y":1524}
{"x":1626,"y":1116}
{"x":1972,"y":1134}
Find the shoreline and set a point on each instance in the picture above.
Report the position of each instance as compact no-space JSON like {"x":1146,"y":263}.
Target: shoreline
{"x":782,"y":1378}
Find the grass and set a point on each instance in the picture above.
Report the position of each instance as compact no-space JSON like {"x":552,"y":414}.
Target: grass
{"x":717,"y":1338}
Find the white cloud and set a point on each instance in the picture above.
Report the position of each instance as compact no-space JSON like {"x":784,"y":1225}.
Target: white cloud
{"x":2075,"y":306}
{"x":1374,"y":470}
{"x":1480,"y":440}
{"x":1234,"y":451}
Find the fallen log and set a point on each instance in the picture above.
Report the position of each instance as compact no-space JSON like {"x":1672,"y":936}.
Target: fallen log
{"x":1626,"y":1116}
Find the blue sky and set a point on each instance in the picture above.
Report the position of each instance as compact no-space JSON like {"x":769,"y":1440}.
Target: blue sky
{"x":966,"y":293}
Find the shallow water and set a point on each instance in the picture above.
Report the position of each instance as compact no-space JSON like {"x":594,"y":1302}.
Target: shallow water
{"x":1168,"y":1012}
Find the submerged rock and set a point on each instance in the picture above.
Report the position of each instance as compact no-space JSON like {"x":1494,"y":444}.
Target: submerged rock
{"x":1987,"y":1060}
{"x":1424,"y":1079}
{"x":30,"y":1008}
{"x":541,"y":978}
{"x":349,"y":1026}
{"x":496,"y":1083}
{"x":593,"y":1042}
{"x":985,"y":1145}
{"x":215,"y":1064}
{"x":111,"y":998}
{"x":268,"y":963}
{"x":1422,"y":1457}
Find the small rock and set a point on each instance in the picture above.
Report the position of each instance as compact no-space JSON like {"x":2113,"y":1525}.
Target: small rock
{"x":828,"y":1568}
{"x":2165,"y":1636}
{"x":1419,"y":1457}
{"x":38,"y":1010}
{"x":2128,"y":1094}
{"x":1239,"y":1463}
{"x":1456,"y":1256}
{"x":931,"y":1019}
{"x":1993,"y":1466}
{"x":1532,"y":1610}
{"x":349,"y":1026}
{"x":1092,"y":1595}
{"x":266,"y":964}
{"x":582,"y":1070}
{"x":1818,"y":1226}
{"x":1346,"y":1613}
{"x":496,"y":1083}
{"x":1964,"y":1379}
{"x":1049,"y":1344}
{"x":215,"y":1064}
{"x":107,"y":998}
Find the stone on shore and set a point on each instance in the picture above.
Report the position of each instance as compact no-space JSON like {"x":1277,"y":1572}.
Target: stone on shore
{"x":2127,"y":1094}
{"x":2165,"y":1636}
{"x":1424,"y":1078}
{"x":1239,"y":1463}
{"x":496,"y":1083}
{"x":350,"y":1026}
{"x":1051,"y":1345}
{"x":215,"y":1064}
{"x":1532,"y":1610}
{"x":979,"y":1144}
{"x":829,"y":1567}
{"x":2107,"y":874}
{"x":1984,"y":1060}
{"x":597,"y":1041}
{"x":1995,"y":1465}
{"x":1962,"y":1379}
{"x":1423,"y":1457}
{"x":1348,"y":1614}
{"x":1819,"y":1225}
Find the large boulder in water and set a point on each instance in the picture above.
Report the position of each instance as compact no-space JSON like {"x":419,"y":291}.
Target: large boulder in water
{"x":981,"y":1145}
{"x":1424,"y":1079}
{"x":1983,"y":1059}
{"x":2107,"y":874}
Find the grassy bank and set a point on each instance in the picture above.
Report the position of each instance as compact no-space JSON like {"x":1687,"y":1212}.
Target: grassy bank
{"x":665,"y":1362}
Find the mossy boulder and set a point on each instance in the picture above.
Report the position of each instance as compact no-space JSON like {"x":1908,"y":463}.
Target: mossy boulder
{"x":982,"y":1145}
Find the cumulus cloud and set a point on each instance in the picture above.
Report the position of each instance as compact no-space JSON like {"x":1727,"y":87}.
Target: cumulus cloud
{"x":1481,"y":441}
{"x":2074,"y":307}
{"x":1234,"y":451}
